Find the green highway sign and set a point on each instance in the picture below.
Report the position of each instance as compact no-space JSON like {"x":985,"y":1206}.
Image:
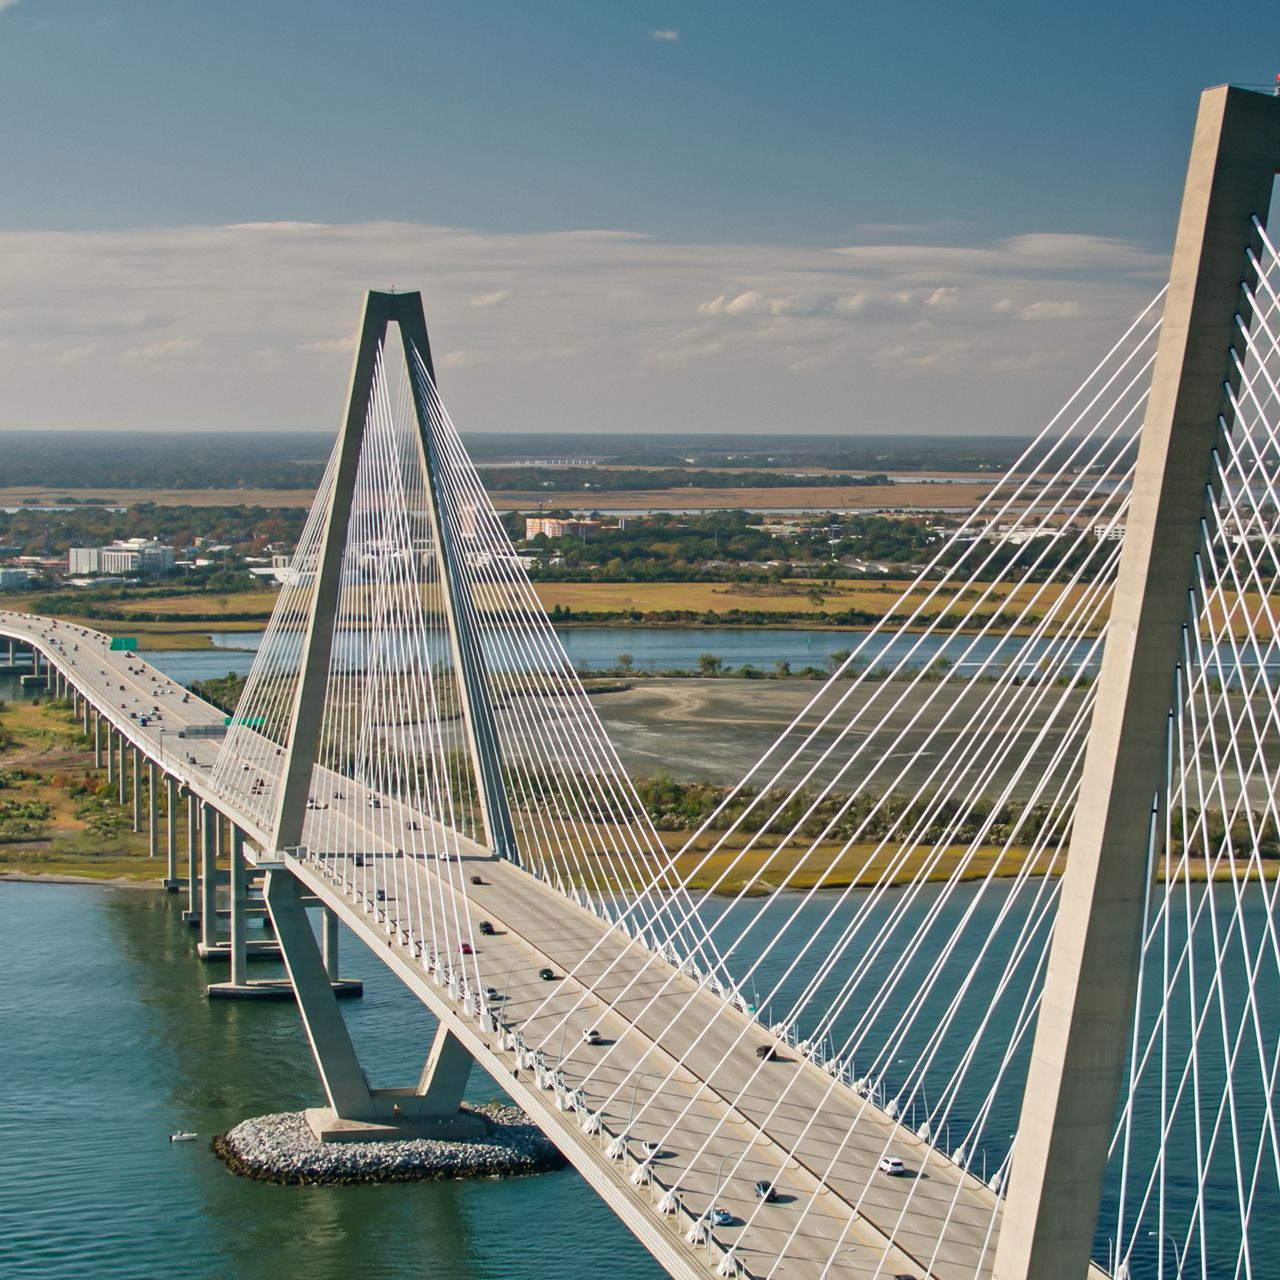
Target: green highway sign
{"x":254,"y":722}
{"x":128,"y":643}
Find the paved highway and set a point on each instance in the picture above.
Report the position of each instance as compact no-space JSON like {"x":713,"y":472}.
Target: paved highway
{"x":677,"y":1065}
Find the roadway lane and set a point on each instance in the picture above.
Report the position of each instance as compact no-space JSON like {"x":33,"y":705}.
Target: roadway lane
{"x":811,"y":1135}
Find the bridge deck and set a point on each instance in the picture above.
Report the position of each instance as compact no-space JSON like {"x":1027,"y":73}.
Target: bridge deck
{"x":835,"y":1214}
{"x":721,"y":1097}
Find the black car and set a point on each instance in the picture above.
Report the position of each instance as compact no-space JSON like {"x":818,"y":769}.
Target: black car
{"x":766,"y":1053}
{"x":486,"y":927}
{"x":476,"y":880}
{"x":547,"y":975}
{"x":764,"y":1191}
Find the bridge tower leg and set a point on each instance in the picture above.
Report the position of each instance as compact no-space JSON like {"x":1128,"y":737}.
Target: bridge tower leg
{"x":1086,"y":1014}
{"x":380,"y":311}
{"x":354,"y":1111}
{"x":433,"y":1104}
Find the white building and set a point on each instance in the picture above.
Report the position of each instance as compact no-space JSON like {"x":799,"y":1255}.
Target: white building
{"x":84,"y":560}
{"x":138,"y":556}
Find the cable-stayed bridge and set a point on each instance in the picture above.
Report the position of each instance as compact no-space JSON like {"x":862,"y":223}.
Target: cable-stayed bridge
{"x":1053,"y":993}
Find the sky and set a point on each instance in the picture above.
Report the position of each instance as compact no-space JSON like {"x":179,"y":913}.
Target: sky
{"x":624,"y":215}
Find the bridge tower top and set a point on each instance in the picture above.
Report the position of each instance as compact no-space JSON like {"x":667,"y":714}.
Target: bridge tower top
{"x":405,"y":310}
{"x":1086,"y":1014}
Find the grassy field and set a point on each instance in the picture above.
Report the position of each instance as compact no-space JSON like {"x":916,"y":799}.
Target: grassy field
{"x":189,"y":619}
{"x":44,"y":760}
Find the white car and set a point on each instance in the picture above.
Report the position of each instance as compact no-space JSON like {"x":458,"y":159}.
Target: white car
{"x":591,"y":1036}
{"x":892,"y":1165}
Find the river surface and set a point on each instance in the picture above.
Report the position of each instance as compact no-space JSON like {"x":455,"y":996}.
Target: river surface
{"x":667,"y":648}
{"x":109,"y":1046}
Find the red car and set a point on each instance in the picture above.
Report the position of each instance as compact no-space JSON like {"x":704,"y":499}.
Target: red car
{"x":466,"y":949}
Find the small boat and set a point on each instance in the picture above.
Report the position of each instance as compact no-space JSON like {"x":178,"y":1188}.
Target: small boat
{"x":183,"y":1136}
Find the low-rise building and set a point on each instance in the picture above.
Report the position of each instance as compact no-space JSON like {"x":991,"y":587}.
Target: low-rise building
{"x":553,"y":527}
{"x":134,"y":556}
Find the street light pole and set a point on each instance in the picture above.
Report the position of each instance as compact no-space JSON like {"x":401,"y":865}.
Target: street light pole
{"x":1178,"y":1257}
{"x":631,"y":1115}
{"x":831,"y":1261}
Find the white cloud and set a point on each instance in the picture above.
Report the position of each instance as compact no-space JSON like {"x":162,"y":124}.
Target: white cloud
{"x":330,"y":346}
{"x":667,"y":34}
{"x":163,"y":352}
{"x":615,"y":331}
{"x":1046,"y":310}
{"x":7,"y":4}
{"x":494,"y":299}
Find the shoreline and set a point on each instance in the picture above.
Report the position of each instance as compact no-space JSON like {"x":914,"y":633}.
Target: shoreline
{"x":52,"y":877}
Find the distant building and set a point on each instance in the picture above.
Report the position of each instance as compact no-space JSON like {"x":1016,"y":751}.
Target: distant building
{"x":84,"y":560}
{"x":553,"y":528}
{"x":135,"y":556}
{"x":11,"y":578}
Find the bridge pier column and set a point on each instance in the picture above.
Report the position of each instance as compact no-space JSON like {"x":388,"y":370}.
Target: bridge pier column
{"x":120,"y":749}
{"x":137,"y":794}
{"x":192,"y":913}
{"x":97,"y":739}
{"x":84,"y":712}
{"x":445,"y":1074}
{"x":209,"y":877}
{"x":152,"y":816}
{"x":329,"y":940}
{"x":237,"y":891}
{"x":171,"y":833}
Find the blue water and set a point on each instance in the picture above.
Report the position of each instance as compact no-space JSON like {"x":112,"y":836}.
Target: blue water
{"x":109,"y":1045}
{"x":665,"y":648}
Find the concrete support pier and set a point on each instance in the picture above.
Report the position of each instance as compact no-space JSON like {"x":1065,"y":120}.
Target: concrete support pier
{"x":171,"y":881}
{"x":279,"y":988}
{"x":192,"y":914}
{"x":211,"y":822}
{"x":137,"y":794}
{"x":329,"y":941}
